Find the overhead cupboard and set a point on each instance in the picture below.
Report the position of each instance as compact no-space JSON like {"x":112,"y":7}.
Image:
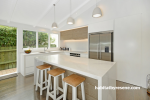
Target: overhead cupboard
{"x":74,"y":34}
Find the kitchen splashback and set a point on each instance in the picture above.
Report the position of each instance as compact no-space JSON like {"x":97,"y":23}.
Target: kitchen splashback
{"x":75,"y":45}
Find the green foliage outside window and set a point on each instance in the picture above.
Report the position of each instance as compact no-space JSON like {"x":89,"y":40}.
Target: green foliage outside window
{"x":29,"y":39}
{"x":7,"y":36}
{"x":42,"y":39}
{"x":52,"y":40}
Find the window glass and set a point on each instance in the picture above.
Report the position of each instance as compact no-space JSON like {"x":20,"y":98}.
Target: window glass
{"x":29,"y":39}
{"x":54,"y":40}
{"x":42,"y":39}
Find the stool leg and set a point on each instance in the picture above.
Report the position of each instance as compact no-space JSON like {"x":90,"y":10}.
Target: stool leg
{"x":55,"y":84}
{"x":62,"y":80}
{"x":41,"y":84}
{"x":49,"y":84}
{"x":37,"y":79}
{"x":74,"y":93}
{"x":51,"y":81}
{"x":65,"y":91}
{"x":82,"y":90}
{"x":45,"y":77}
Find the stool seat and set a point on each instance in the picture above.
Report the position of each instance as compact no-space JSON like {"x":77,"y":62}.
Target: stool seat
{"x":45,"y":66}
{"x":56,"y":72}
{"x":74,"y":80}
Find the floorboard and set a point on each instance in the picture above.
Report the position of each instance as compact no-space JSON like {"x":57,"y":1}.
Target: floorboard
{"x":22,"y":88}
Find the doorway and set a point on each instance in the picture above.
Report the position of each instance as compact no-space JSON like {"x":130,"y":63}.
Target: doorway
{"x":8,"y":41}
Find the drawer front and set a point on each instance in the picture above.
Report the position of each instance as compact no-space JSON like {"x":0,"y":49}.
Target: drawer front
{"x":29,"y":70}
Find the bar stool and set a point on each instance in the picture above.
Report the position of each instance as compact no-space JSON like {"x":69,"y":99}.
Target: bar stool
{"x":40,"y":70}
{"x":55,"y":73}
{"x":74,"y":81}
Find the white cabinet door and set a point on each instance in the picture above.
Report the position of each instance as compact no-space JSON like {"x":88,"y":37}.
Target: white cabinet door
{"x":127,"y":49}
{"x":29,"y":61}
{"x":101,"y":26}
{"x":29,"y":70}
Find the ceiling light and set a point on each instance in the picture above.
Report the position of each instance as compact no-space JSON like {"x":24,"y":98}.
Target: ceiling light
{"x":97,"y":12}
{"x":54,"y":25}
{"x":70,"y":20}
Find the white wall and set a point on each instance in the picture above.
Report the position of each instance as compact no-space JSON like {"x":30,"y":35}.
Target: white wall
{"x":127,"y":49}
{"x":131,"y":21}
{"x":75,"y":45}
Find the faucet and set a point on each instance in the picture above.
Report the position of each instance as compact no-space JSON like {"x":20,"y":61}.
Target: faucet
{"x":44,"y":48}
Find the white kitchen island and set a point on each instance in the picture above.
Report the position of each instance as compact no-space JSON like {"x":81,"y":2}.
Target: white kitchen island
{"x":103,"y":71}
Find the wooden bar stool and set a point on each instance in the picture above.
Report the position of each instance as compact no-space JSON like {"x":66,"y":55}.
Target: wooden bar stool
{"x":74,"y":81}
{"x":40,"y":70}
{"x":55,"y":73}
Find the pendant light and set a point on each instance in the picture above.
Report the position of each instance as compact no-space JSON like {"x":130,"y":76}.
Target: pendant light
{"x":54,"y":25}
{"x":70,"y":20}
{"x":97,"y":11}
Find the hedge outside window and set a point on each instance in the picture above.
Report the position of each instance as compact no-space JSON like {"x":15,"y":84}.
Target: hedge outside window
{"x":53,"y":40}
{"x":42,"y":39}
{"x":29,"y":39}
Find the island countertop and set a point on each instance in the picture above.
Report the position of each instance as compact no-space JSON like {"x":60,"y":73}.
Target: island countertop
{"x":89,"y":67}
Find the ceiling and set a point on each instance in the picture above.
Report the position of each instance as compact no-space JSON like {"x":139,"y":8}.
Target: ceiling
{"x":38,"y":12}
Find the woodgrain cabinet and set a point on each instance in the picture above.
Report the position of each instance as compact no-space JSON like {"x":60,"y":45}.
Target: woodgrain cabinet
{"x":76,"y":34}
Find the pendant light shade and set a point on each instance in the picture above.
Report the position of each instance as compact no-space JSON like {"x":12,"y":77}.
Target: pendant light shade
{"x":54,"y":25}
{"x":70,"y":20}
{"x":97,"y":12}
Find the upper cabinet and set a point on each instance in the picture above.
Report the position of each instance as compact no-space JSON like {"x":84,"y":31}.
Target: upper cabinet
{"x":75,"y":34}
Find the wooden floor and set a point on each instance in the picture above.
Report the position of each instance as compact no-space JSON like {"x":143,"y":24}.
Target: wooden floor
{"x":22,"y":88}
{"x":8,"y":71}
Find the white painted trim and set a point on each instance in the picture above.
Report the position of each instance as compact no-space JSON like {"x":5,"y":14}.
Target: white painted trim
{"x":37,"y":45}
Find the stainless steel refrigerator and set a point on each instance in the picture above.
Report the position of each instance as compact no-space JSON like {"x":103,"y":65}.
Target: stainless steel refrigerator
{"x":101,"y":46}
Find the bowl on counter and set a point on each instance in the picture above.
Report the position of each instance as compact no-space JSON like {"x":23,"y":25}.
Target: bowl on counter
{"x":27,"y":51}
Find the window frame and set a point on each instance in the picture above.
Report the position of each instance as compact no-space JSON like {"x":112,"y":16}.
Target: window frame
{"x":49,"y":33}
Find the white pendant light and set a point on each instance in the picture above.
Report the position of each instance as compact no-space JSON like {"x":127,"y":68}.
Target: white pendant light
{"x":97,"y":12}
{"x":54,"y":25}
{"x":70,"y":20}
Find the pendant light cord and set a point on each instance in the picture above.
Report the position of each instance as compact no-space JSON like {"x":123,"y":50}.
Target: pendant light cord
{"x":70,"y":8}
{"x":54,"y":12}
{"x":96,"y":3}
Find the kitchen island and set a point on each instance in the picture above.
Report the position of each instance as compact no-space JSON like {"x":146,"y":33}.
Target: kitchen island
{"x":102,"y":71}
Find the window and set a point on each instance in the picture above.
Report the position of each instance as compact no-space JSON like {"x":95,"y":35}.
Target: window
{"x":29,"y":39}
{"x":53,"y":40}
{"x":42,"y":39}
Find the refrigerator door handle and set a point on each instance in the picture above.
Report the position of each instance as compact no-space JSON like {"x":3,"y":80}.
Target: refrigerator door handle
{"x":97,"y":51}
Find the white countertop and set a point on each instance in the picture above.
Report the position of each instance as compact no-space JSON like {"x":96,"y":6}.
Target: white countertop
{"x":49,"y":52}
{"x":88,"y":67}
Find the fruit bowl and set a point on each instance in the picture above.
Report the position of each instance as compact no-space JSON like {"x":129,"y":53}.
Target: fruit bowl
{"x":27,"y":51}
